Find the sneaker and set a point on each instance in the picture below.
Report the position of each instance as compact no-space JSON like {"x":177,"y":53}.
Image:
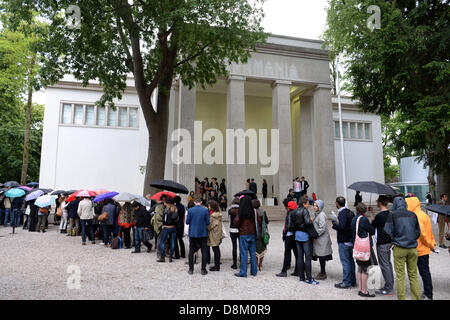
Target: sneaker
{"x":204,"y":272}
{"x":383,"y":292}
{"x":424,"y":297}
{"x":190,"y":271}
{"x":281,"y":274}
{"x":341,"y":286}
{"x":240,"y":275}
{"x":312,"y":281}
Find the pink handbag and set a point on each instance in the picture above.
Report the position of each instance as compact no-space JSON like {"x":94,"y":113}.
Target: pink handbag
{"x":361,"y":248}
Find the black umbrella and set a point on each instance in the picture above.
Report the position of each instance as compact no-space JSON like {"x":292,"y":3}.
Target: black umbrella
{"x":33,"y":184}
{"x":439,"y":208}
{"x":169,"y":185}
{"x":249,"y":193}
{"x":12,"y":184}
{"x":373,"y":187}
{"x":46,"y":190}
{"x":58,"y":192}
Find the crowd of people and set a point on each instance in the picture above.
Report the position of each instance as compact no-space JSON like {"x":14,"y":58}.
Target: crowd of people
{"x":405,"y":232}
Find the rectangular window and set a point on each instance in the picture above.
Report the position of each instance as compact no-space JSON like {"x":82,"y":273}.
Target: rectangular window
{"x":101,"y":116}
{"x":78,"y":118}
{"x":90,"y":115}
{"x":67,"y":114}
{"x":367,"y":131}
{"x":112,"y":117}
{"x":133,"y":117}
{"x":353,"y":130}
{"x":360,"y":130}
{"x":345,"y":129}
{"x":123,"y":115}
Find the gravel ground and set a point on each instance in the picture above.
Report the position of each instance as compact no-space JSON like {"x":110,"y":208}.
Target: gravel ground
{"x":34,"y":266}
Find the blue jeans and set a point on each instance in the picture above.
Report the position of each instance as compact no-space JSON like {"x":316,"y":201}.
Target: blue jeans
{"x":348,"y":265}
{"x":138,"y":237}
{"x":248,"y":244}
{"x":172,"y":234}
{"x":88,"y":224}
{"x":107,"y":230}
{"x":8,"y":217}
{"x":16,"y":215}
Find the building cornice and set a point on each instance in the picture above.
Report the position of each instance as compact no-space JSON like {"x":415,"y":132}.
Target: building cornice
{"x":291,"y":51}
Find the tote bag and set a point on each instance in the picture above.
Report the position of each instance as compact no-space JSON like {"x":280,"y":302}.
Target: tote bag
{"x":361,"y":249}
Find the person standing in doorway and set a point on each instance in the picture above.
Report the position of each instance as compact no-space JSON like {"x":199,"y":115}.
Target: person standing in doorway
{"x":264,"y":190}
{"x":297,"y":189}
{"x":403,"y":228}
{"x":304,"y":185}
{"x":358,"y":198}
{"x":384,"y":246}
{"x":253,"y":187}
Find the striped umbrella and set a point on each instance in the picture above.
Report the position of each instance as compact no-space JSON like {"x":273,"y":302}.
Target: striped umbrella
{"x":101,"y":191}
{"x":81,"y":193}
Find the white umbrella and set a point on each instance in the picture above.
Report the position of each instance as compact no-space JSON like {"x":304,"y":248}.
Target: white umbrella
{"x":44,"y":201}
{"x":125,"y":196}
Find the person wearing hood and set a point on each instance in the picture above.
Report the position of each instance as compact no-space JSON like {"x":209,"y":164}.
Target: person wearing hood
{"x":245,"y":220}
{"x":402,"y":226}
{"x":322,"y":245}
{"x":426,"y":244}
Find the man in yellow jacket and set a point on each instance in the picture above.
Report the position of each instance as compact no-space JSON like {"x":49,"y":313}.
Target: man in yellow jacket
{"x":425,"y":244}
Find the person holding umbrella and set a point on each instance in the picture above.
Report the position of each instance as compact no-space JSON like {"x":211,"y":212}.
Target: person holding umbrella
{"x":44,"y":203}
{"x":170,"y":221}
{"x":86,"y":213}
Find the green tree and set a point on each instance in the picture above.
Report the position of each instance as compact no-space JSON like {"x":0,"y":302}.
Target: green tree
{"x":155,"y":41}
{"x":400,"y":70}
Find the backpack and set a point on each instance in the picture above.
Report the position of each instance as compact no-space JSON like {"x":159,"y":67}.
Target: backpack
{"x":361,"y":249}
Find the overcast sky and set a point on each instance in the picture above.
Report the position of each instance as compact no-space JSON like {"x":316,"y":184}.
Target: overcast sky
{"x":296,"y":18}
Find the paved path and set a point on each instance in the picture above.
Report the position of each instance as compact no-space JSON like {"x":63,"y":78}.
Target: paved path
{"x":34,"y":266}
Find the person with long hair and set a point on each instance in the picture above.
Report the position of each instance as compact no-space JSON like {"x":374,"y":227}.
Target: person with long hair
{"x":261,"y":228}
{"x":215,"y":232}
{"x":234,"y":230}
{"x":245,"y":220}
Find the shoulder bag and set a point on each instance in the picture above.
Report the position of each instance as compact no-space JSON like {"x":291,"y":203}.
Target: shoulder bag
{"x":361,"y":248}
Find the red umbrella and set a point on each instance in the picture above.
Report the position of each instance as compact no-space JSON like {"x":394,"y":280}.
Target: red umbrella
{"x":157,"y":196}
{"x":81,"y":193}
{"x":101,"y":191}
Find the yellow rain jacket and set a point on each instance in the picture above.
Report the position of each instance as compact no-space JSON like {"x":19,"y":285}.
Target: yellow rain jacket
{"x":426,"y":240}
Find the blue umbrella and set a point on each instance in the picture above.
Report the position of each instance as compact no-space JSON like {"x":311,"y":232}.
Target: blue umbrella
{"x":34,"y":195}
{"x":33,"y":184}
{"x":45,"y":201}
{"x":105,"y":196}
{"x":14,"y":193}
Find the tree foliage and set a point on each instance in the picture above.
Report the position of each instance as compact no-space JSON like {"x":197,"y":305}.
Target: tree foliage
{"x":400,"y":70}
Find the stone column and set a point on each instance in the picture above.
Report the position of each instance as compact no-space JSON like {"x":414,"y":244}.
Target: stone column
{"x":170,"y":171}
{"x":281,"y":120}
{"x":306,"y":141}
{"x":236,"y":173}
{"x":186,"y":117}
{"x":323,"y":146}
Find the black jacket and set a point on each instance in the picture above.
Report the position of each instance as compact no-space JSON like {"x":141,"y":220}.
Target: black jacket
{"x":378,"y":223}
{"x":344,"y":230}
{"x":17,"y":203}
{"x":300,"y":220}
{"x":72,"y":208}
{"x":181,"y":214}
{"x":142,"y":217}
{"x":402,"y":226}
{"x":253,"y":187}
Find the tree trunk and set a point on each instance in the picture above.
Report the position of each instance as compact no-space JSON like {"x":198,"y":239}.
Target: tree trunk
{"x":432,"y":184}
{"x":26,"y":141}
{"x":157,"y":125}
{"x":443,"y":184}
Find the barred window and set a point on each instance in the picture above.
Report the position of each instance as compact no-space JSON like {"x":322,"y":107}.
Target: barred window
{"x":354,"y":130}
{"x":93,"y":116}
